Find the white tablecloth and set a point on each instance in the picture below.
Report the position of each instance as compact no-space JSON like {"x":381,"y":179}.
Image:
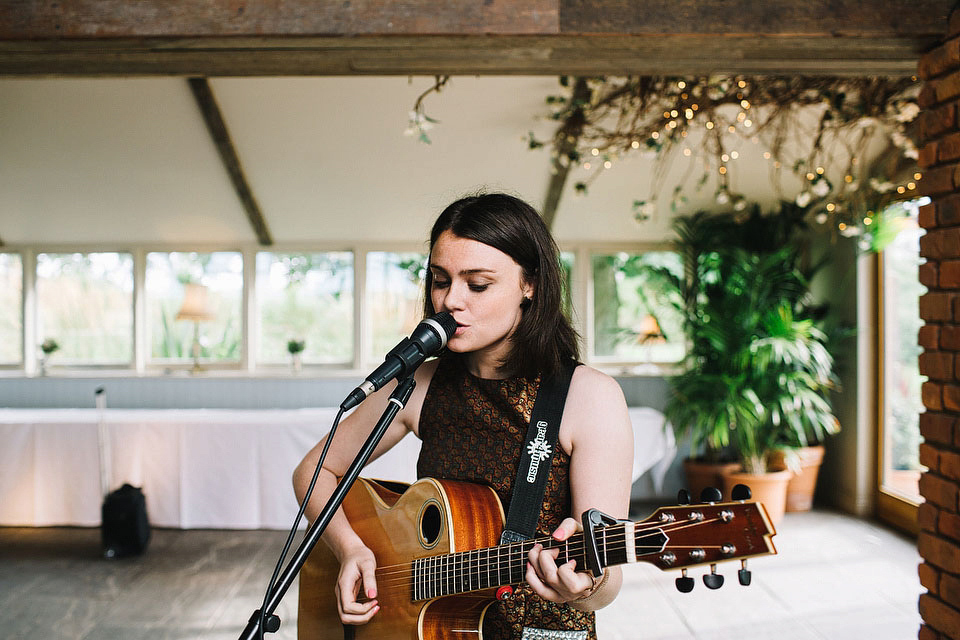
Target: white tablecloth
{"x":198,"y":468}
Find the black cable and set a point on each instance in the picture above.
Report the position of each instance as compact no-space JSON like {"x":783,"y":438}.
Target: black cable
{"x":296,"y":523}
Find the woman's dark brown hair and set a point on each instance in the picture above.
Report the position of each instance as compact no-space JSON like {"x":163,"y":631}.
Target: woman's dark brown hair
{"x":544,"y":340}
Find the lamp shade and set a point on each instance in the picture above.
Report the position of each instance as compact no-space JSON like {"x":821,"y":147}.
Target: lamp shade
{"x":194,"y":305}
{"x":649,"y":329}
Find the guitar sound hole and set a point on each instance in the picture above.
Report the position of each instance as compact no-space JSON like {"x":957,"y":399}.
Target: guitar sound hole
{"x":430,"y":524}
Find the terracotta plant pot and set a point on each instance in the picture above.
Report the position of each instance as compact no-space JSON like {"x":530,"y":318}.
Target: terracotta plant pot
{"x":802,"y":485}
{"x":768,"y":488}
{"x":701,"y":475}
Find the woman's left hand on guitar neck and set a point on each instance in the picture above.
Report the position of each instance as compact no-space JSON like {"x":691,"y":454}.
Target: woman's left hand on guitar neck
{"x":565,"y":583}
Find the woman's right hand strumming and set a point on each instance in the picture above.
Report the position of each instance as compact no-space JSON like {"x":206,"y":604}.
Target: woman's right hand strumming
{"x":356,"y":588}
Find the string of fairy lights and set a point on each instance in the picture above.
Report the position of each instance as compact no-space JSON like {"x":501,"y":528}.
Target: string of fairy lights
{"x":847,"y":142}
{"x":815,"y":128}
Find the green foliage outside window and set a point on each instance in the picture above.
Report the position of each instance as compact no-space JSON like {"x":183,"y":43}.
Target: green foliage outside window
{"x":85,"y":303}
{"x":634,"y":308}
{"x":11,"y":304}
{"x":305,"y":298}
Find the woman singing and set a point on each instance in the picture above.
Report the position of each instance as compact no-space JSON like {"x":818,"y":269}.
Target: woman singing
{"x":494,"y":267}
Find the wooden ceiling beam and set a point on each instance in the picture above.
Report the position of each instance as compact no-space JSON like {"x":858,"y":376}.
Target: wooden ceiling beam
{"x":549,"y":37}
{"x":461,"y":55}
{"x":568,"y":136}
{"x":231,"y":162}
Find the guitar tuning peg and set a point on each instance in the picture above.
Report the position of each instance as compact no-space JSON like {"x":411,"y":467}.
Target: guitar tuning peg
{"x":713,"y":580}
{"x":741,"y":492}
{"x":683,"y":497}
{"x":711,"y":494}
{"x":744,"y":574}
{"x":685,"y":583}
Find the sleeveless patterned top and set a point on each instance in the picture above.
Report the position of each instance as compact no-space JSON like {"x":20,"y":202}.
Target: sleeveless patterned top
{"x":474,"y":429}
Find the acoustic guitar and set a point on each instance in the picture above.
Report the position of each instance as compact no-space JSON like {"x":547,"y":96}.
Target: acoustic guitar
{"x":440,"y":564}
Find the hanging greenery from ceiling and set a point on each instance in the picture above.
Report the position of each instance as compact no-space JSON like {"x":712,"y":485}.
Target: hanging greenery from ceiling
{"x":849,"y":140}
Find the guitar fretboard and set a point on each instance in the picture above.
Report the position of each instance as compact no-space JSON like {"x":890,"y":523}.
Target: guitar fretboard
{"x":478,"y":569}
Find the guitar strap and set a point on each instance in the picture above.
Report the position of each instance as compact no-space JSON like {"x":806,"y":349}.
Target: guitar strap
{"x":537,"y":457}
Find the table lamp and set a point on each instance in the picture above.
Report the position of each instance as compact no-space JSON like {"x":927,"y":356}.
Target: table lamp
{"x":194,"y":308}
{"x":649,"y":330}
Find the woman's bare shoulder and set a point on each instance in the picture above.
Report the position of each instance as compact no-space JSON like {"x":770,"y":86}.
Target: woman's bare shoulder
{"x":592,"y":385}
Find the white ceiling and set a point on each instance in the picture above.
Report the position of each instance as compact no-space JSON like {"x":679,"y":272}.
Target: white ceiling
{"x":129,"y":161}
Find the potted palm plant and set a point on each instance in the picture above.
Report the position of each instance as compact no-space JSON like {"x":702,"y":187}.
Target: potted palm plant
{"x":757,"y":366}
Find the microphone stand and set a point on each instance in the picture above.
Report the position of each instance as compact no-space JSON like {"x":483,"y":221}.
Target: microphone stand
{"x":398,"y":399}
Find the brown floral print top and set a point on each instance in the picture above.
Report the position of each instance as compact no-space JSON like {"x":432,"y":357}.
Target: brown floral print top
{"x":474,"y":429}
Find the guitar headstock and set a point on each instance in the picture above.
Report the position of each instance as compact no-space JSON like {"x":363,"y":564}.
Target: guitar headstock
{"x":705,"y":534}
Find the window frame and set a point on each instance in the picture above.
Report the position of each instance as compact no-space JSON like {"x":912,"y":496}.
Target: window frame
{"x":581,"y":296}
{"x":18,"y":366}
{"x":892,"y":507}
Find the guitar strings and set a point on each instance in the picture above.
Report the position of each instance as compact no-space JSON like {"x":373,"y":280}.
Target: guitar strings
{"x":575,"y":545}
{"x":456,"y":567}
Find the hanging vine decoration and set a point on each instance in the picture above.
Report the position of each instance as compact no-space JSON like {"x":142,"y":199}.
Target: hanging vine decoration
{"x":818,"y":128}
{"x":420,"y":122}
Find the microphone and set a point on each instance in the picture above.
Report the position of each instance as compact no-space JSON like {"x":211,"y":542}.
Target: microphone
{"x":427,"y":339}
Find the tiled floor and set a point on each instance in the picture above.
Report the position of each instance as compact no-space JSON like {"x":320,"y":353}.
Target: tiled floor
{"x":834,"y":577}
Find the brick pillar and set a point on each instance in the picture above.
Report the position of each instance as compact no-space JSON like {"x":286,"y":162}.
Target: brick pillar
{"x":939,"y":160}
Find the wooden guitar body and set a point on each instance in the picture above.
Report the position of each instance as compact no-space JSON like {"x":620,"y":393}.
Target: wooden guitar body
{"x":400,"y":524}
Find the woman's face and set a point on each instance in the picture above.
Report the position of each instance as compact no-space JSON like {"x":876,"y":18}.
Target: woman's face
{"x":482,"y":288}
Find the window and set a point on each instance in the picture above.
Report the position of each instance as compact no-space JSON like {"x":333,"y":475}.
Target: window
{"x":309,"y":297}
{"x":394,"y":299}
{"x":218,"y":325}
{"x":11,"y":309}
{"x":85,"y":304}
{"x":902,"y":404}
{"x":193,"y":306}
{"x":634,"y":318}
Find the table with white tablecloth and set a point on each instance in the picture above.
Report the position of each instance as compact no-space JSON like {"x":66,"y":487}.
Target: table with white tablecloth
{"x":224,"y":469}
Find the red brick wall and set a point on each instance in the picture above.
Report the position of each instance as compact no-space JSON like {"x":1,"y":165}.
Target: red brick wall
{"x":939,"y":516}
